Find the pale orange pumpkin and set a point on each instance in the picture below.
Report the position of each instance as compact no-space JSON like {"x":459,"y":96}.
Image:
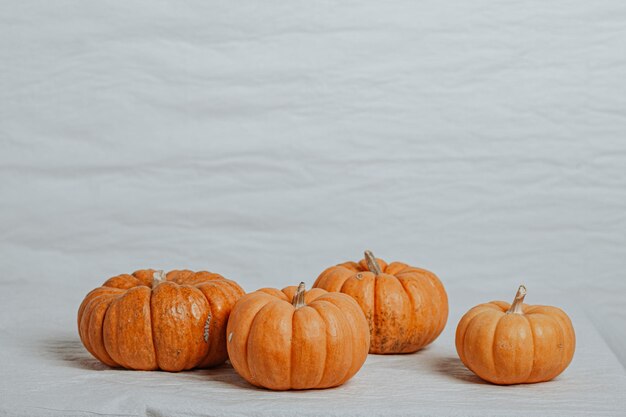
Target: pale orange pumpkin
{"x":149,"y":320}
{"x":406,"y":307}
{"x":515,"y":343}
{"x":292,"y":339}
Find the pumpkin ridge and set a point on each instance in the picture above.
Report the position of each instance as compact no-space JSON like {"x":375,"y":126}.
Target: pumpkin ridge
{"x":532,"y":344}
{"x":421,"y":282}
{"x":461,"y":331}
{"x":406,"y":269}
{"x":346,"y":276}
{"x":146,"y":276}
{"x":331,"y":298}
{"x":85,"y":311}
{"x":424,"y":282}
{"x":237,"y":291}
{"x":150,"y":323}
{"x":135,"y":353}
{"x":105,"y":320}
{"x":190,"y":298}
{"x":321,"y":377}
{"x":100,"y":291}
{"x":240,"y":309}
{"x":247,"y":344}
{"x":443,"y":298}
{"x":257,"y":346}
{"x":343,"y":284}
{"x":96,"y":347}
{"x":459,"y":338}
{"x":308,"y":353}
{"x":154,"y":341}
{"x":351,"y":339}
{"x":322,"y":275}
{"x":122,"y":282}
{"x":207,"y":329}
{"x":111,"y":348}
{"x":324,"y":377}
{"x":273,"y":292}
{"x":164,"y":323}
{"x":493,"y":305}
{"x":218,"y":288}
{"x":532,"y":339}
{"x":502,"y":333}
{"x":291,"y":354}
{"x":492,"y":333}
{"x":562,"y":356}
{"x":494,"y":369}
{"x":84,"y":324}
{"x":183,"y":304}
{"x":467,"y":327}
{"x":373,"y":332}
{"x":568,"y":332}
{"x":343,"y":316}
{"x":409,"y":295}
{"x":318,"y":383}
{"x":443,"y":318}
{"x":297,"y":302}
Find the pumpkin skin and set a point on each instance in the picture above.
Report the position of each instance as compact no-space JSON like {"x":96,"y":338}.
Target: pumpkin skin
{"x":406,"y":307}
{"x":292,"y":339}
{"x":149,"y":320}
{"x":515,"y":343}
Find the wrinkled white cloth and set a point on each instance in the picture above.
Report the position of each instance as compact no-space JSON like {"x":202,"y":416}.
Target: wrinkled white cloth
{"x":268,"y":141}
{"x":47,"y":372}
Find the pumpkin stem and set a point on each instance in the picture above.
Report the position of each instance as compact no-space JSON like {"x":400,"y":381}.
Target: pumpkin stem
{"x":298,"y":298}
{"x":516,"y":306}
{"x":372,"y":264}
{"x":157,"y":277}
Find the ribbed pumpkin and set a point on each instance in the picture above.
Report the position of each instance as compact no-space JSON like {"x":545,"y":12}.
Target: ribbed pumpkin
{"x":292,"y":339}
{"x":149,"y":320}
{"x":406,"y":307}
{"x":515,"y":343}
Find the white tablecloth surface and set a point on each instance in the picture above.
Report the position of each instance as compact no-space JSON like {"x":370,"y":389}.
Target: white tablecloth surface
{"x":46,"y":372}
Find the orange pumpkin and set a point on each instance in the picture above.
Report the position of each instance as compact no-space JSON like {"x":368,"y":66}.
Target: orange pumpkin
{"x":149,"y":320}
{"x":517,"y":343}
{"x":406,"y":307}
{"x":292,"y":339}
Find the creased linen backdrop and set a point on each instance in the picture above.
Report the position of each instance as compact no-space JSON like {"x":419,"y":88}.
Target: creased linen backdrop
{"x":484,"y":141}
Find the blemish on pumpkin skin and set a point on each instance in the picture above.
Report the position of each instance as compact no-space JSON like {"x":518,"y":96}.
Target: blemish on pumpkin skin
{"x":195,"y":310}
{"x":230,"y":337}
{"x":206,"y":329}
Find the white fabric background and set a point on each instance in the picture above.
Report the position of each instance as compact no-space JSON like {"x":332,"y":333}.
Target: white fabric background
{"x":481,"y":140}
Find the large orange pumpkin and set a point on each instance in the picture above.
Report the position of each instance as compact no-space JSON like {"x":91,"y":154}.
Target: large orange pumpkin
{"x":292,"y":339}
{"x":149,"y":320}
{"x":406,"y":307}
{"x":515,"y":343}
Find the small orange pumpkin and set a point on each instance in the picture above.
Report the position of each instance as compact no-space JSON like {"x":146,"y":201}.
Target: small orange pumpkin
{"x":292,"y":339}
{"x":149,"y":320}
{"x":406,"y":307}
{"x":517,"y":343}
